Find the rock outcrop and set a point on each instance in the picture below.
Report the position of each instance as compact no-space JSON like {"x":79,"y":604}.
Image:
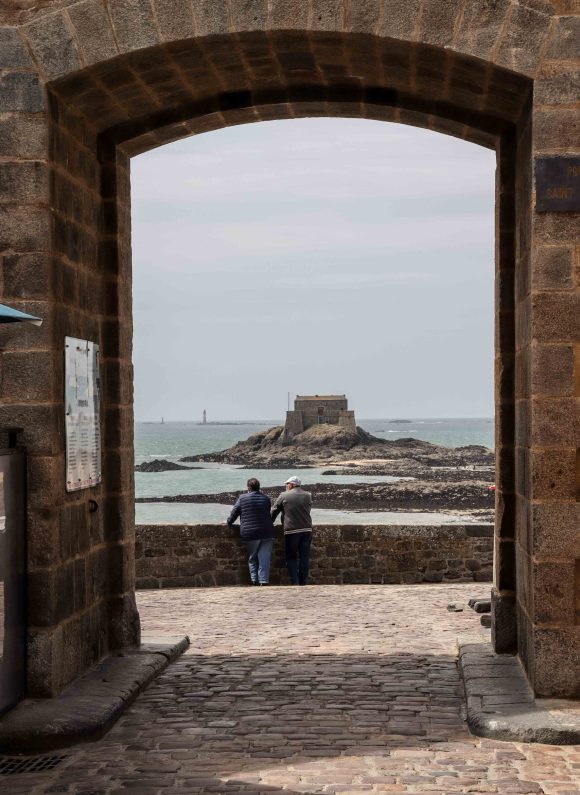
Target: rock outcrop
{"x":316,"y":446}
{"x":160,"y":465}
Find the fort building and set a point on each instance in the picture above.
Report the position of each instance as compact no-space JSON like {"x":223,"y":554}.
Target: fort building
{"x":312,"y":410}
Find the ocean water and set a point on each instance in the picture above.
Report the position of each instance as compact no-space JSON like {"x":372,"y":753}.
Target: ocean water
{"x":173,"y":440}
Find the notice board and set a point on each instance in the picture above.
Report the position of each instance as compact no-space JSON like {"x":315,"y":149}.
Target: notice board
{"x":83,"y":414}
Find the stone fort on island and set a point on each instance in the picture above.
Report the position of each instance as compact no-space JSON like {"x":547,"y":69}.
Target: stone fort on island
{"x":312,"y":410}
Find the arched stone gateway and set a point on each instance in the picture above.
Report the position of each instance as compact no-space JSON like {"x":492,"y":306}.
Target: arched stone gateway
{"x":85,"y":85}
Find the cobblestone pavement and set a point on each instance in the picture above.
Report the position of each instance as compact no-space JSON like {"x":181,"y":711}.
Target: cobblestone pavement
{"x":329,"y":689}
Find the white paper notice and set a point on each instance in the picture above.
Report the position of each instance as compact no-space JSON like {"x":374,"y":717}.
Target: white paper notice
{"x":83,"y":414}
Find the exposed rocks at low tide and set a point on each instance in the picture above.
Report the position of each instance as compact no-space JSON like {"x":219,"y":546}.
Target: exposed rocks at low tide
{"x":432,"y":477}
{"x":402,"y":496}
{"x":160,"y":465}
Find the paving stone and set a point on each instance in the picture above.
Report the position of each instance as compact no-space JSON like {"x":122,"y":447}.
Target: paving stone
{"x":331,"y":689}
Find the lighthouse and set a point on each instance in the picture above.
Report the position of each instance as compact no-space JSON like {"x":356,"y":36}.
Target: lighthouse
{"x":204,"y":420}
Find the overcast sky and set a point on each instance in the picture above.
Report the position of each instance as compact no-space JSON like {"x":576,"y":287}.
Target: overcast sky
{"x":313,"y":256}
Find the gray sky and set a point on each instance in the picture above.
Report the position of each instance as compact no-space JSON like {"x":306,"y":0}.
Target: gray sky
{"x":313,"y":256}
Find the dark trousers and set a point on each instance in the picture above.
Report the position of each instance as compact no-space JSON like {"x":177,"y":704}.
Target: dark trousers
{"x":298,"y":546}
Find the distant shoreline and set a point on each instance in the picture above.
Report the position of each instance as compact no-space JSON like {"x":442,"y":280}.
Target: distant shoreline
{"x":279,"y":421}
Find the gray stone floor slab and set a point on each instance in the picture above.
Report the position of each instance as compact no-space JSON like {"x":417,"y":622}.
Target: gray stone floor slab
{"x":501,"y":705}
{"x":88,"y":708}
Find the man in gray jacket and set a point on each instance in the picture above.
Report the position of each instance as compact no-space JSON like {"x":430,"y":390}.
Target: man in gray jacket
{"x":295,"y":505}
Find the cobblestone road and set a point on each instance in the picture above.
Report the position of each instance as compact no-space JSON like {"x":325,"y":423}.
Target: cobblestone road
{"x":329,"y":689}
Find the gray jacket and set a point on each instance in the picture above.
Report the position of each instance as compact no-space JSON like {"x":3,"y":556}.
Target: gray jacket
{"x":294,"y":505}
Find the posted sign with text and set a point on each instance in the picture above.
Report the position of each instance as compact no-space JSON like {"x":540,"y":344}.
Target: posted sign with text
{"x":83,"y":421}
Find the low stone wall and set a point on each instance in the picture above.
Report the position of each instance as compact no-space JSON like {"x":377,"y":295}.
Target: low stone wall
{"x":182,"y":556}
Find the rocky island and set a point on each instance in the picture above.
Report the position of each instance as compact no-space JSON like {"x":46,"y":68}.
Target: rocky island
{"x":422,"y":476}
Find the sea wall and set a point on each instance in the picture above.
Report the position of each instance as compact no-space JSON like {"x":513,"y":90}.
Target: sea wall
{"x":181,"y":556}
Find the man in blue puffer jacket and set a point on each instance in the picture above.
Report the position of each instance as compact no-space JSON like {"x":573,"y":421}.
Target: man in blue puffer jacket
{"x":256,"y":530}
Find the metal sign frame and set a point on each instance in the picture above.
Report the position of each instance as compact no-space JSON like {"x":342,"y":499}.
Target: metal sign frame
{"x":83,"y":414}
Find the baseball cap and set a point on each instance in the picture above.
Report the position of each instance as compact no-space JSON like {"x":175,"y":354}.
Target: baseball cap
{"x":294,"y":480}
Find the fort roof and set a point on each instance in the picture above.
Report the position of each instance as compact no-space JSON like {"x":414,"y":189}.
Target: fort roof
{"x":320,"y":397}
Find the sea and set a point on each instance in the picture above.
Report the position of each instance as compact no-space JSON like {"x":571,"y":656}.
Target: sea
{"x":173,"y":440}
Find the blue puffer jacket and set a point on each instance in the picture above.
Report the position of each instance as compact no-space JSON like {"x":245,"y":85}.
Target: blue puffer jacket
{"x":253,"y":508}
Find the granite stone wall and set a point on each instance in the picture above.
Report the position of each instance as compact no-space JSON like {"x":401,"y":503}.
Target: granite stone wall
{"x":86,"y":84}
{"x":185,"y":556}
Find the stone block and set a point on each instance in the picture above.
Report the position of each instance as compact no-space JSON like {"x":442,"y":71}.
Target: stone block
{"x":13,"y":53}
{"x":121,"y":567}
{"x":556,"y":671}
{"x":480,"y":26}
{"x":554,"y":593}
{"x":556,"y":129}
{"x":118,"y":426}
{"x":522,"y":373}
{"x":552,"y":370}
{"x":399,"y":19}
{"x":523,"y":40}
{"x":133,"y":24}
{"x":65,"y":590}
{"x":23,"y":182}
{"x":23,"y":136}
{"x":525,"y":593}
{"x":553,"y":474}
{"x":42,"y":598}
{"x":74,"y":529}
{"x":93,"y":31}
{"x":287,"y":14}
{"x":119,"y":517}
{"x":439,"y":21}
{"x":42,"y":426}
{"x":555,"y":422}
{"x":44,"y":662}
{"x":363,"y":17}
{"x":24,"y":228}
{"x":43,"y":537}
{"x":26,"y":276}
{"x":247,"y":15}
{"x":21,"y":92}
{"x":45,"y":481}
{"x":124,"y":626}
{"x":118,"y":466}
{"x":555,"y":526}
{"x":555,"y":316}
{"x":118,"y":381}
{"x":53,"y":45}
{"x":327,"y":15}
{"x":503,"y":623}
{"x":565,"y":41}
{"x":72,"y":653}
{"x":210,"y":17}
{"x":433,"y":576}
{"x":557,"y":85}
{"x":552,"y":268}
{"x":30,"y":375}
{"x":144,"y":583}
{"x":97,"y":574}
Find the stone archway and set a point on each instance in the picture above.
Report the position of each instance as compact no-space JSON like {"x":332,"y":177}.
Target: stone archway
{"x":88,"y":83}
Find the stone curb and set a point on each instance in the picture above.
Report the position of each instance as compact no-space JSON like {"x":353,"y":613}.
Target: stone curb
{"x":501,"y":704}
{"x":88,"y":708}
